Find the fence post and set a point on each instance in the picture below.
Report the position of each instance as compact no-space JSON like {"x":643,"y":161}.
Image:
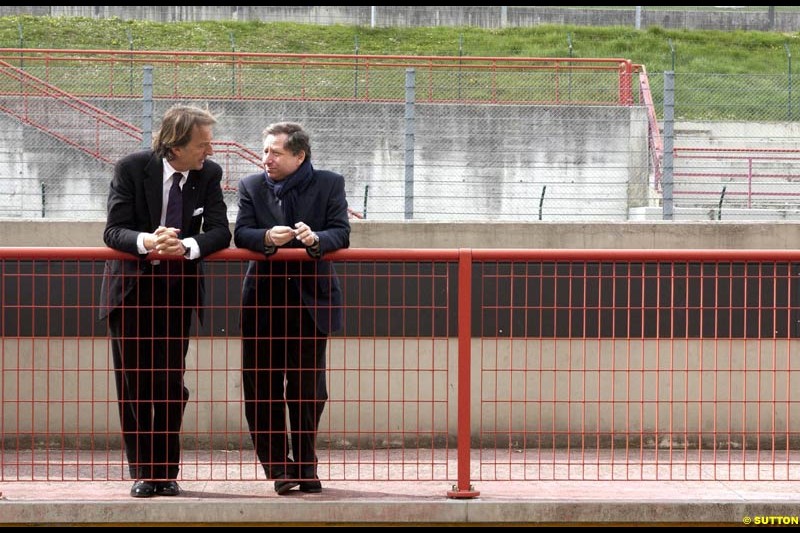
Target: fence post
{"x":147,"y":106}
{"x":233,"y":65}
{"x":541,"y":201}
{"x":130,"y":70}
{"x":355,"y":68}
{"x":789,"y":57}
{"x":464,"y":489}
{"x":569,"y":72}
{"x":460,"y":53}
{"x":21,"y":45}
{"x":672,"y":53}
{"x":409,"y":144}
{"x":669,"y":138}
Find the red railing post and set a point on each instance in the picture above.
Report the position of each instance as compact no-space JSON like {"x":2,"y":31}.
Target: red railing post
{"x":654,"y":134}
{"x":625,"y":80}
{"x":464,"y":488}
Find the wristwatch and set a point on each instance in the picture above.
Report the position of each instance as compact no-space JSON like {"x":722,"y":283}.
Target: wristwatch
{"x":314,"y":250}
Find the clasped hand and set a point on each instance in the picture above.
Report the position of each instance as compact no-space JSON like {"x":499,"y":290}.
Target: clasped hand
{"x":167,"y":241}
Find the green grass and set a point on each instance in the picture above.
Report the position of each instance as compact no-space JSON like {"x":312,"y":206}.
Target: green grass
{"x":734,"y":52}
{"x":749,"y":70}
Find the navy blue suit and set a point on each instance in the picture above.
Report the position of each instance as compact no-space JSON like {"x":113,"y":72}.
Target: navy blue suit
{"x":149,"y":307}
{"x":288,"y":310}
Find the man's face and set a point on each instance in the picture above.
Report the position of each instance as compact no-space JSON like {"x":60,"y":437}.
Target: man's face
{"x":278,"y":161}
{"x":194,"y":154}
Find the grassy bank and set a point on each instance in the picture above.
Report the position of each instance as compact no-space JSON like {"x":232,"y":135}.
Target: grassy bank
{"x":696,"y":51}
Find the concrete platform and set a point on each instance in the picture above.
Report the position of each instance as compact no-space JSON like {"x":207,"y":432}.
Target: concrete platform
{"x":242,"y":501}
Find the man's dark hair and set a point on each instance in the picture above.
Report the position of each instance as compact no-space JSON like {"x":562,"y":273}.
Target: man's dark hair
{"x":296,"y":137}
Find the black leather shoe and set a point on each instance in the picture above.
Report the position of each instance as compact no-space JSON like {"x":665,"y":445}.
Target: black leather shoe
{"x":312,"y":486}
{"x":282,"y":486}
{"x":143,"y":489}
{"x":167,"y":488}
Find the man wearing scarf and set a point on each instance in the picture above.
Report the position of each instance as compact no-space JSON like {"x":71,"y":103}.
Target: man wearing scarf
{"x":289,"y":307}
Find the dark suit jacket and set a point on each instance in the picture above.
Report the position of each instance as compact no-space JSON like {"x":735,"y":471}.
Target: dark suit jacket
{"x":134,"y":206}
{"x":323,"y":206}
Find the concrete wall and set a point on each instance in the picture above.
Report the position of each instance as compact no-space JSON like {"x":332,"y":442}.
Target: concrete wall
{"x":78,"y":369}
{"x":471,"y":162}
{"x":481,"y":16}
{"x":421,"y":234}
{"x":481,"y":163}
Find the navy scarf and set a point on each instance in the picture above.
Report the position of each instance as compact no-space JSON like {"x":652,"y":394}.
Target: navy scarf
{"x":288,"y":190}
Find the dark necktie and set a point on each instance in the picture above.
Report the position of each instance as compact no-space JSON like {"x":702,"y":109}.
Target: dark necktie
{"x":174,"y":218}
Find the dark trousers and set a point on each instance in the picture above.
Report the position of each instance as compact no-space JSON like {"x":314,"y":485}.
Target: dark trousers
{"x":283,"y":368}
{"x":149,"y":343}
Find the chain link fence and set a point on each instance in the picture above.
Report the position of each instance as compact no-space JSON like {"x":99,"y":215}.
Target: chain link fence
{"x":470,"y":142}
{"x":735,"y":146}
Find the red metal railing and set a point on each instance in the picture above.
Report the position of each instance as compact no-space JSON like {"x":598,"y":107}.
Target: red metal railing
{"x":244,"y":75}
{"x":655,"y":142}
{"x":95,"y":131}
{"x":747,"y":174}
{"x":453,"y":365}
{"x":66,"y":77}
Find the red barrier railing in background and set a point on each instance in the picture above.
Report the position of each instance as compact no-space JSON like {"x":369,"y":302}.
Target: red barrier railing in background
{"x":654,"y":140}
{"x":101,"y":134}
{"x":764,"y":176}
{"x":52,"y":62}
{"x":33,"y":81}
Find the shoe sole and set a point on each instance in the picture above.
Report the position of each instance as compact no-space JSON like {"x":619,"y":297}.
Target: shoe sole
{"x":287,"y":487}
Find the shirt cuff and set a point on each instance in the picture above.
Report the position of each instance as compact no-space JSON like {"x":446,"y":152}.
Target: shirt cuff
{"x":192,"y":248}
{"x":140,"y":242}
{"x":314,"y":251}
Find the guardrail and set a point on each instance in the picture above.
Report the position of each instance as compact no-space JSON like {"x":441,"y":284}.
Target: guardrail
{"x":518,"y":364}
